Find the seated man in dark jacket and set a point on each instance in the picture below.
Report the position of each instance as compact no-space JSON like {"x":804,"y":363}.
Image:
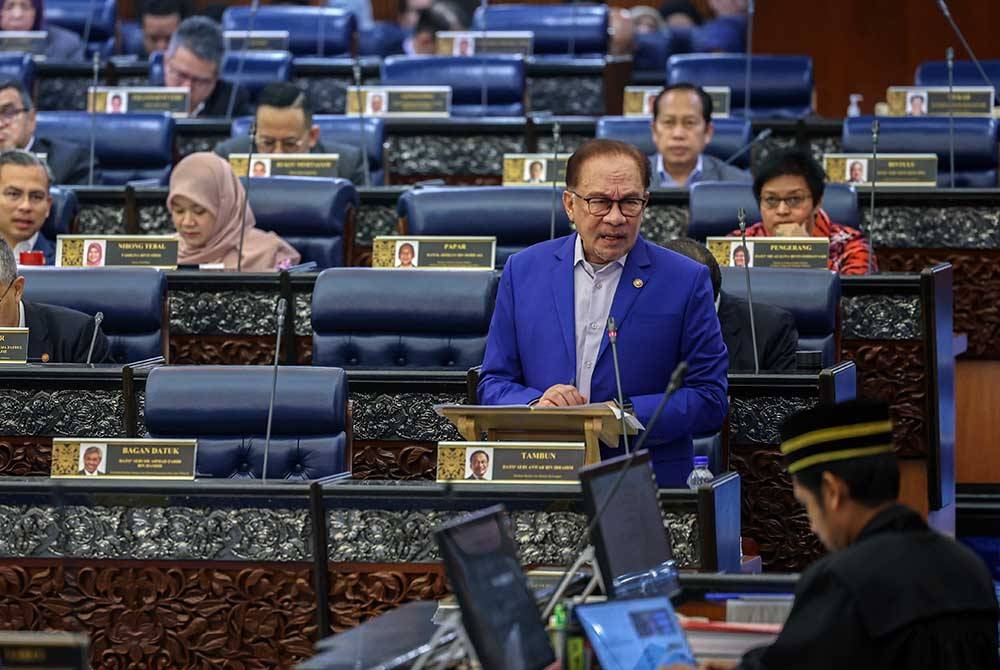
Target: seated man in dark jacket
{"x":55,"y":334}
{"x":193,"y":59}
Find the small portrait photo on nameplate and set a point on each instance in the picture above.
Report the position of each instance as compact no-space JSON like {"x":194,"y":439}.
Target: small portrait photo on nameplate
{"x":936,"y":101}
{"x":256,"y":40}
{"x":123,"y":458}
{"x":37,"y":650}
{"x":468,"y":43}
{"x":534,"y":169}
{"x":639,"y":100}
{"x":286,"y":165}
{"x":13,"y":345}
{"x":400,"y":101}
{"x":260,"y":166}
{"x":138,"y":99}
{"x":510,"y":462}
{"x":434,"y":252}
{"x":771,"y":252}
{"x":896,"y":170}
{"x":25,"y":41}
{"x":91,"y":251}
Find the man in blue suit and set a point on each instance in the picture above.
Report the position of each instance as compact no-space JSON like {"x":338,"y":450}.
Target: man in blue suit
{"x":548,"y":340}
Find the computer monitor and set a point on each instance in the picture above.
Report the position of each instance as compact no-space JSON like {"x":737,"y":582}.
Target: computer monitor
{"x":630,"y":536}
{"x":499,"y":612}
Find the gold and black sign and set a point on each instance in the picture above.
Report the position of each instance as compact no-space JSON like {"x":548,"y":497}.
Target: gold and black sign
{"x":534,"y":169}
{"x":434,"y":252}
{"x":467,"y":43}
{"x":510,"y":462}
{"x":135,"y":99}
{"x":892,"y":169}
{"x":99,"y":251}
{"x":639,"y":100}
{"x":256,"y":40}
{"x":771,"y":252}
{"x":50,"y":650}
{"x":13,"y":345}
{"x":25,"y":41}
{"x":401,"y":101}
{"x":118,"y":458}
{"x":936,"y":101}
{"x":285,"y":165}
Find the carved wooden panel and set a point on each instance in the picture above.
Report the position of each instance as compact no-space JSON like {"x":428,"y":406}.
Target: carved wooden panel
{"x":221,"y":350}
{"x":380,"y":459}
{"x":358,"y":596}
{"x":303,"y":350}
{"x":25,"y":456}
{"x":361,"y":256}
{"x":449,"y":179}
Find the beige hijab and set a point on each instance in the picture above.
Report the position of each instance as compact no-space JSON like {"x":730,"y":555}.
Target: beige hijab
{"x":207,"y":179}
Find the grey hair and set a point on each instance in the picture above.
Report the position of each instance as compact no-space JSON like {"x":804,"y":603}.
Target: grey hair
{"x":25,"y":159}
{"x":201,"y":36}
{"x":8,"y":266}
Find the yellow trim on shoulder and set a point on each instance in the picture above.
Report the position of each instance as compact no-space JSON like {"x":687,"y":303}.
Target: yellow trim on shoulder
{"x":836,"y":433}
{"x":842,"y":455}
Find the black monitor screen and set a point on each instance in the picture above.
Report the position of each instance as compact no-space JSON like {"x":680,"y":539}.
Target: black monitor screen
{"x":498,"y":611}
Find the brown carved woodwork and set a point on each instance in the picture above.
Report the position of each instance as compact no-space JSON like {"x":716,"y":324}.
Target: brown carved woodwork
{"x":976,"y":290}
{"x":303,"y":349}
{"x":894,"y":371}
{"x":450,"y":180}
{"x":25,"y":456}
{"x":375,"y":459}
{"x":361,"y":256}
{"x":221,"y":350}
{"x":358,"y":596}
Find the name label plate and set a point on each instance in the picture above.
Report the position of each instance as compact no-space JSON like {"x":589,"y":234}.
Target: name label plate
{"x":935,"y":101}
{"x":13,"y":345}
{"x":434,"y":252}
{"x":892,"y":169}
{"x":534,"y":169}
{"x":771,"y":252}
{"x":256,"y":40}
{"x":136,"y":99}
{"x":467,"y":43}
{"x":118,"y":458}
{"x":33,"y":650}
{"x":639,"y":100}
{"x":26,"y":41}
{"x":510,"y":462}
{"x":89,"y":251}
{"x":285,"y":165}
{"x":399,"y":101}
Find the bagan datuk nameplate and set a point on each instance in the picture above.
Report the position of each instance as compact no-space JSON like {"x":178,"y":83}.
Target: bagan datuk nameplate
{"x":122,"y":458}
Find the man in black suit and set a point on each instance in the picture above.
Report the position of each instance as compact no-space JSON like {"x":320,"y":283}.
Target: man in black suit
{"x":68,"y":161}
{"x":55,"y":334}
{"x":92,"y":458}
{"x":285,"y":126}
{"x":194,"y":60}
{"x":777,"y":338}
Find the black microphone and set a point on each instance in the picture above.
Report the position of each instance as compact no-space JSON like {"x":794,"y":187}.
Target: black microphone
{"x":746,"y":83}
{"x":361,"y":119}
{"x":93,"y":119}
{"x":555,"y":189}
{"x":246,"y":192}
{"x":949,"y":57}
{"x":742,"y":218}
{"x":93,"y":338}
{"x":871,"y":196}
{"x":761,"y":136}
{"x":254,"y":6}
{"x":954,"y":27}
{"x":613,"y":339}
{"x":280,"y":320}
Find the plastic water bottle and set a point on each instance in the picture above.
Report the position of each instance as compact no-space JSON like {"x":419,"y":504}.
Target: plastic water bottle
{"x":701,"y":474}
{"x":853,"y":109}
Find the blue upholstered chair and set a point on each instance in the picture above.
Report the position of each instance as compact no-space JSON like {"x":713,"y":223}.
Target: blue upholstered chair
{"x":399,"y":319}
{"x":575,"y":30}
{"x":517,"y":216}
{"x":225,"y":408}
{"x":345,"y":130}
{"x":965,"y":73}
{"x":975,"y":144}
{"x":129,"y":146}
{"x":713,"y":207}
{"x":731,"y":135}
{"x":654,"y":48}
{"x":20,"y":66}
{"x":812,"y":297}
{"x":312,"y":31}
{"x":311,"y":214}
{"x":782,"y":86}
{"x":64,"y":210}
{"x":383,"y":38}
{"x":130,"y":38}
{"x":260,"y":68}
{"x":133,"y":301}
{"x":504,"y":77}
{"x":72,"y":15}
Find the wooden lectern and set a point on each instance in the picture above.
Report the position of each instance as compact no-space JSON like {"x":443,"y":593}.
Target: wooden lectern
{"x":501,"y":423}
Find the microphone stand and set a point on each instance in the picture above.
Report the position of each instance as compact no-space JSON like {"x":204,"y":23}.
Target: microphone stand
{"x":613,"y":339}
{"x":93,"y":118}
{"x":98,"y":318}
{"x":255,"y":5}
{"x":949,"y":56}
{"x":246,"y":192}
{"x":742,"y":217}
{"x":761,"y":136}
{"x":87,"y":25}
{"x":954,"y":27}
{"x":555,"y":190}
{"x":746,"y":83}
{"x":482,"y":34}
{"x":871,"y":200}
{"x":282,"y":307}
{"x":361,"y":119}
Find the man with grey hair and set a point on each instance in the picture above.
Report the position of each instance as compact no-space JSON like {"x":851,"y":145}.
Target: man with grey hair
{"x":25,"y":203}
{"x":55,"y":334}
{"x":193,"y":61}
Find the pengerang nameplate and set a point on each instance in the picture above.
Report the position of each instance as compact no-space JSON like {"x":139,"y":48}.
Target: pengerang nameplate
{"x":49,"y":650}
{"x":936,"y":101}
{"x":401,"y":101}
{"x":13,"y":346}
{"x":136,"y":99}
{"x":120,"y":458}
{"x":639,"y":100}
{"x":510,"y":462}
{"x":434,"y":252}
{"x":892,"y":169}
{"x":534,"y":169}
{"x":285,"y":165}
{"x":100,"y":251}
{"x":771,"y":252}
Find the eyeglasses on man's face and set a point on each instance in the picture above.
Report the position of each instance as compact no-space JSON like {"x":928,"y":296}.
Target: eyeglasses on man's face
{"x":599,"y":205}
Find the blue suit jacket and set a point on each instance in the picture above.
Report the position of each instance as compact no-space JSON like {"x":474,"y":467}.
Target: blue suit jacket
{"x":665,"y":314}
{"x":44,"y":245}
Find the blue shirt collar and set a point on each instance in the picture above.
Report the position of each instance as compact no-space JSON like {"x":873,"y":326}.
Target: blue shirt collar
{"x":665,"y":180}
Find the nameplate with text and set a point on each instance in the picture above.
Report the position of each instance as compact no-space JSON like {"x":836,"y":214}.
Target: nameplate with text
{"x":534,"y":169}
{"x":434,"y":252}
{"x":138,"y":99}
{"x":13,"y":345}
{"x":467,"y":43}
{"x":399,"y":101}
{"x":48,"y":650}
{"x":93,"y":251}
{"x":888,"y":169}
{"x":121,"y":458}
{"x":510,"y":462}
{"x":771,"y":252}
{"x":25,"y":41}
{"x":639,"y":100}
{"x":936,"y":100}
{"x":256,"y":40}
{"x":284,"y":165}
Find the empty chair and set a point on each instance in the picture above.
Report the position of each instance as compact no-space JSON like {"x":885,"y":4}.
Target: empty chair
{"x":62,"y":214}
{"x":399,"y":319}
{"x":225,"y":409}
{"x":133,"y":301}
{"x":260,"y":68}
{"x":975,"y":144}
{"x":518,"y":217}
{"x":503,"y":77}
{"x":128,"y":147}
{"x":782,"y":86}
{"x":965,"y":73}
{"x":312,"y":31}
{"x":731,"y":134}
{"x":73,"y":15}
{"x":577,"y":29}
{"x":311,"y":214}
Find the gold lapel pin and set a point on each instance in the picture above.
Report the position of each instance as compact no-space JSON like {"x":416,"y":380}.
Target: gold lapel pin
{"x":45,"y":358}
{"x":637,"y":283}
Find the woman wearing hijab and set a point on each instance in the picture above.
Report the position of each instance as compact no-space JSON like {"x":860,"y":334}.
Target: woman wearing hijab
{"x":60,"y":44}
{"x":206,"y":203}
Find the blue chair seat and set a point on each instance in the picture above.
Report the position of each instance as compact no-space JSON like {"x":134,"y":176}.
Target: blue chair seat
{"x":503,"y":76}
{"x":573,"y":30}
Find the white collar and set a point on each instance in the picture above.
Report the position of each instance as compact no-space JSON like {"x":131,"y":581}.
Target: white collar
{"x":578,"y":254}
{"x":20,"y":311}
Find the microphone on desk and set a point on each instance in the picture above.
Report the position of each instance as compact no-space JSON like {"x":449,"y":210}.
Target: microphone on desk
{"x":280,"y":321}
{"x":746,"y":83}
{"x":871,"y":196}
{"x":949,"y":57}
{"x":361,"y":119}
{"x":237,"y":80}
{"x":741,"y":216}
{"x":943,"y":6}
{"x":613,"y":339}
{"x":555,"y":184}
{"x":93,"y":337}
{"x":761,"y":136}
{"x":93,"y":118}
{"x":246,"y":192}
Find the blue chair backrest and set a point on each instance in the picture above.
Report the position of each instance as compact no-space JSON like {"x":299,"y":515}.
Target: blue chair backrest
{"x":721,"y":34}
{"x":731,"y":134}
{"x":714,"y":204}
{"x":517,"y":216}
{"x":311,"y":214}
{"x":20,"y":66}
{"x":965,"y":73}
{"x":383,"y":38}
{"x":128,"y":146}
{"x":654,"y":48}
{"x":559,"y":29}
{"x":362,"y":10}
{"x":224,"y":407}
{"x":130,"y":33}
{"x":812,"y":297}
{"x":504,"y":77}
{"x":133,"y":301}
{"x":326,"y":31}
{"x":975,"y":144}
{"x":72,"y":15}
{"x":344,"y":130}
{"x":782,"y":86}
{"x":392,"y":319}
{"x":64,"y":210}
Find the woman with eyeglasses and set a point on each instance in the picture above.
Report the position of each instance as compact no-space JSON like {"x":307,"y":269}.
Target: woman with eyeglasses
{"x":789,"y":189}
{"x":21,"y":15}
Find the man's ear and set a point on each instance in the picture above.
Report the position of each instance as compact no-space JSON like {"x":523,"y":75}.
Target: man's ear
{"x":568,"y":204}
{"x":833,"y":491}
